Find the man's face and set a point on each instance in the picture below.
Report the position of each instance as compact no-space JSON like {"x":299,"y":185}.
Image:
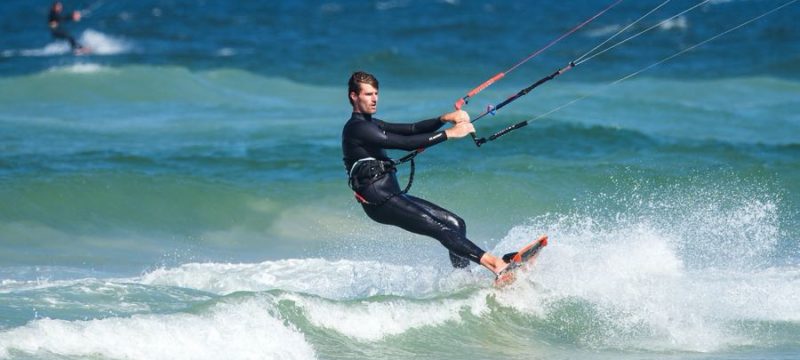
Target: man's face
{"x":366,"y":101}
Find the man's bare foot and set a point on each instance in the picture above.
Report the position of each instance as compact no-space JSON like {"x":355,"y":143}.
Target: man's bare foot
{"x":493,"y":263}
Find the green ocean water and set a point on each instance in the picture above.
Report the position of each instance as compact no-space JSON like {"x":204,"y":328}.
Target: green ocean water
{"x":213,"y":206}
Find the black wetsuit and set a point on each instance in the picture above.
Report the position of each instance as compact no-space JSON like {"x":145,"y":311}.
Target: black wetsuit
{"x":365,"y":137}
{"x":58,"y":31}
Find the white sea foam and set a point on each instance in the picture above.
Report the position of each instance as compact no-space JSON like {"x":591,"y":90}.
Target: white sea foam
{"x":646,"y":290}
{"x":10,"y":286}
{"x":242,"y":330}
{"x":343,"y":279}
{"x":51,"y":49}
{"x":98,"y":42}
{"x":391,"y":4}
{"x":604,"y":30}
{"x":102,"y":44}
{"x":226,"y":51}
{"x":678,"y":23}
{"x":374,"y":320}
{"x":81,"y":68}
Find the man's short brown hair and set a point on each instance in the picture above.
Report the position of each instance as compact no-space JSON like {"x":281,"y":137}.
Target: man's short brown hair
{"x":358,"y":78}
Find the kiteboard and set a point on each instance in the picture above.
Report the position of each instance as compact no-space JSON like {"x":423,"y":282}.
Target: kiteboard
{"x":83,"y":50}
{"x":518,"y":260}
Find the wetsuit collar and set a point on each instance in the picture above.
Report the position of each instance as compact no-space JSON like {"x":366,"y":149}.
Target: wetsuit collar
{"x":362,"y":116}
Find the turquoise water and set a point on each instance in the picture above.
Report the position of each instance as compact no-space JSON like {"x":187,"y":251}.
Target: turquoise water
{"x":189,"y":202}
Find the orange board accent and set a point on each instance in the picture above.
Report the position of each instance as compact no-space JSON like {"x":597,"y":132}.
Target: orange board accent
{"x":530,"y":252}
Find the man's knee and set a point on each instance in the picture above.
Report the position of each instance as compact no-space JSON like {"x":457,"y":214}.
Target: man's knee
{"x":457,"y":223}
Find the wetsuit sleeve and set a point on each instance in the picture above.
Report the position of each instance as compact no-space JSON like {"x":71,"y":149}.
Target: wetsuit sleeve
{"x":374,"y":136}
{"x":53,"y":17}
{"x":420,"y":127}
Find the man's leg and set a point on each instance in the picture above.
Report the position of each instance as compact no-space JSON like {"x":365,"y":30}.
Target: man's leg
{"x":453,"y":220}
{"x":424,"y":218}
{"x":61,"y":34}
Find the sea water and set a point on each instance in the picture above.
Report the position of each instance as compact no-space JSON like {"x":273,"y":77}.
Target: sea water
{"x":179,"y":192}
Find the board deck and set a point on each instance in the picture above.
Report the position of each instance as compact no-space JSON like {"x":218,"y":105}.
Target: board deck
{"x":520,"y":259}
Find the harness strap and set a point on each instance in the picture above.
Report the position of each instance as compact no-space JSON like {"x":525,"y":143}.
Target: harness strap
{"x":360,"y":198}
{"x":355,"y":164}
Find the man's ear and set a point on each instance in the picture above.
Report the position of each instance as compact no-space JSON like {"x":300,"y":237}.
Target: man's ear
{"x":353,"y":96}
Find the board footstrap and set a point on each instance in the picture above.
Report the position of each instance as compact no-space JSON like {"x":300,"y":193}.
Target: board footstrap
{"x":517,"y":259}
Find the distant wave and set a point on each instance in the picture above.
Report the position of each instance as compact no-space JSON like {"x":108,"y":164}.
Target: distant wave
{"x":603,"y":31}
{"x":678,"y":23}
{"x":80,"y":68}
{"x":565,"y":139}
{"x":391,"y":4}
{"x":101,"y":44}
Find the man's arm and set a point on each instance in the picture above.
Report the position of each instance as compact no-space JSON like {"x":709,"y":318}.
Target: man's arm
{"x":425,"y":126}
{"x":372,"y":135}
{"x":419,"y":127}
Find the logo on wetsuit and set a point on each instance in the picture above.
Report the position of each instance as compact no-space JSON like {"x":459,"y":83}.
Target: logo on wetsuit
{"x":434,"y":137}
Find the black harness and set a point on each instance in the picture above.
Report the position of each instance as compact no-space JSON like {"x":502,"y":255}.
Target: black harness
{"x":365,"y":172}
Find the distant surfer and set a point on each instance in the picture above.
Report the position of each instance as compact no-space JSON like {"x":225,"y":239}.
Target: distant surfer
{"x":55,"y":20}
{"x":372,"y":173}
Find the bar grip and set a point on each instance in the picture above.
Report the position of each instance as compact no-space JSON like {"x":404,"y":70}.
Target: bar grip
{"x":478,"y":89}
